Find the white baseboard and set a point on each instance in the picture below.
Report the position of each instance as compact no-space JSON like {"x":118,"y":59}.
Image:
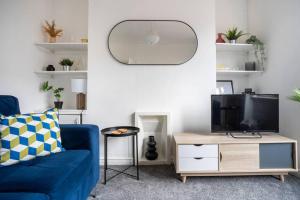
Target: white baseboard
{"x":128,"y":161}
{"x":116,"y":161}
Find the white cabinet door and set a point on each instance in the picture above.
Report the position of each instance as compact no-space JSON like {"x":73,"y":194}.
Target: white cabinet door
{"x":69,"y":119}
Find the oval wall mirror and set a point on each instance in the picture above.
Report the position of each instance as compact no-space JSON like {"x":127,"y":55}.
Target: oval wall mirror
{"x":152,"y":42}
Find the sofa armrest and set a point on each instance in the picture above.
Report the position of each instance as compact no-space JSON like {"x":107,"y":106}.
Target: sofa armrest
{"x":86,"y":136}
{"x":80,"y":136}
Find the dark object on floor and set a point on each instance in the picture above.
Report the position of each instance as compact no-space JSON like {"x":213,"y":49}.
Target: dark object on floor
{"x":151,"y":153}
{"x":250,"y":66}
{"x":58,"y":104}
{"x":50,"y":68}
{"x":125,"y":131}
{"x":67,"y":175}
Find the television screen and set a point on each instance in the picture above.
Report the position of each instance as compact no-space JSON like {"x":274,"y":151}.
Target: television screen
{"x":245,"y":113}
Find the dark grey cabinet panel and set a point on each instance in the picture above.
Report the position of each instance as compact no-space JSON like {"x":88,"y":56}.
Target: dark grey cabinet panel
{"x":278,"y":155}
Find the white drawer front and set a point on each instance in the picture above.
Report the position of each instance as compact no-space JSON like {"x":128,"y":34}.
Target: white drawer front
{"x":191,"y":151}
{"x":194,"y":165}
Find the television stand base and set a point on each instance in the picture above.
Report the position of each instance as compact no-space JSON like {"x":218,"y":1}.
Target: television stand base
{"x":245,"y":135}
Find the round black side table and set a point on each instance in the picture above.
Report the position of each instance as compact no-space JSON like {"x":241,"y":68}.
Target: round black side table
{"x":131,"y":131}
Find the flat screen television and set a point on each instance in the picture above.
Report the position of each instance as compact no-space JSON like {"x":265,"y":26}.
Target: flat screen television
{"x":245,"y":113}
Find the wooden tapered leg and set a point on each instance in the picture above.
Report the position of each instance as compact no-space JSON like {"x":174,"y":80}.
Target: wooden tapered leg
{"x":281,"y":178}
{"x":183,"y":179}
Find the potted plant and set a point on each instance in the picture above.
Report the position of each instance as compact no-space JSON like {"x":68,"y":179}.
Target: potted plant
{"x":66,"y":63}
{"x":57,"y":93}
{"x":233,"y":34}
{"x":259,"y":49}
{"x":52,"y":31}
{"x":296,"y":96}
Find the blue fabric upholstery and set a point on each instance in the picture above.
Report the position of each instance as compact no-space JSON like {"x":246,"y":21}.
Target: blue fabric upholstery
{"x":23,"y":196}
{"x":68,"y":175}
{"x":9,"y":105}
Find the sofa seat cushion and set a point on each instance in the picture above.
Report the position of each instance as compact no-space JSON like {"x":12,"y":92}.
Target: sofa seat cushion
{"x":53,"y":175}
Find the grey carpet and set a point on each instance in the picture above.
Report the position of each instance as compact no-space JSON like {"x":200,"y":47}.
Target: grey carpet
{"x":161,"y":182}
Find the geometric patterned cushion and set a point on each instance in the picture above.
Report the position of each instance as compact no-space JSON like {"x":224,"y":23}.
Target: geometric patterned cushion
{"x":25,"y":136}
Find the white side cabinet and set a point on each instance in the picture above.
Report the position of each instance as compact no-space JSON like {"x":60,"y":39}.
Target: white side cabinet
{"x":71,"y":116}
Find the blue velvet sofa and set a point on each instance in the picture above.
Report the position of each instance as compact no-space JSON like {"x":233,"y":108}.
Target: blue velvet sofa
{"x":68,"y":175}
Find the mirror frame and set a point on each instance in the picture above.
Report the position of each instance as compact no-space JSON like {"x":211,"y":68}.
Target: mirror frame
{"x":147,"y":20}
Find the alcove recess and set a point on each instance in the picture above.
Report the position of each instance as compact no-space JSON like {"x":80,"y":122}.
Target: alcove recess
{"x":72,"y":44}
{"x":155,"y":124}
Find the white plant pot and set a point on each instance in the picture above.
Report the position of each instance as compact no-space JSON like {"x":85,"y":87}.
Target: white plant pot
{"x":66,"y":68}
{"x":232,"y":41}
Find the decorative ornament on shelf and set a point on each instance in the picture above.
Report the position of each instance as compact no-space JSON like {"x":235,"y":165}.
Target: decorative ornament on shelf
{"x":66,"y":63}
{"x":57,"y":93}
{"x":50,"y":68}
{"x":232,"y":35}
{"x":259,"y":49}
{"x":52,"y":31}
{"x":296,"y":95}
{"x":220,"y":39}
{"x":151,"y":153}
{"x":84,"y":40}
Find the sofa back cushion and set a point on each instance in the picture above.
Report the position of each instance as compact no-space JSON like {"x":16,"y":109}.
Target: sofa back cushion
{"x":9,"y":105}
{"x":23,"y":137}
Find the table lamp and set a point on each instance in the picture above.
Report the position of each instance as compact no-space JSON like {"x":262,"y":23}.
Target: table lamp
{"x":79,"y":87}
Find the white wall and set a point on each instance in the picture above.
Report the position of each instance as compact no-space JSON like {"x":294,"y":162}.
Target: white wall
{"x":277,"y":23}
{"x":19,"y":57}
{"x":231,"y":13}
{"x":116,"y":91}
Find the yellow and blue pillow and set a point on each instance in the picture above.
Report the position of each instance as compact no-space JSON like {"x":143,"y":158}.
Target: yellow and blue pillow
{"x":24,"y":137}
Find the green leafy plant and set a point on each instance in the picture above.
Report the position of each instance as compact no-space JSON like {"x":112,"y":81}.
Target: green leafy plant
{"x":57,"y":92}
{"x":296,"y":95}
{"x":66,"y":62}
{"x":233,"y":34}
{"x":259,"y":49}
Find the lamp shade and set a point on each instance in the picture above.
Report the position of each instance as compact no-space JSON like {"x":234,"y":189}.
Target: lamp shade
{"x":78,"y":85}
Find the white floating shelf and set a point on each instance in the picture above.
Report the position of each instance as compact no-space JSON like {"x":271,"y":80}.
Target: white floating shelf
{"x":233,"y":47}
{"x":61,"y":72}
{"x":238,"y":72}
{"x":53,"y":47}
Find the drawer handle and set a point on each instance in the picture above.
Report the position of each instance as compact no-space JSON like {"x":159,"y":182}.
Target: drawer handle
{"x":198,"y":158}
{"x":198,"y":145}
{"x":221,"y":156}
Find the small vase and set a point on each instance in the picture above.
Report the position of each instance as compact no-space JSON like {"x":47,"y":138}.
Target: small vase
{"x":151,"y":153}
{"x":52,"y":39}
{"x":220,"y":39}
{"x":232,"y":41}
{"x":58,"y":104}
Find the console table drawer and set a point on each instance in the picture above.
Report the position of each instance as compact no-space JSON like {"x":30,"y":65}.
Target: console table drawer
{"x":191,"y":151}
{"x":198,"y":164}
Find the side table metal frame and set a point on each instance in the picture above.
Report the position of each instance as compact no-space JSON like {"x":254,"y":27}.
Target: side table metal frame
{"x":135,"y":161}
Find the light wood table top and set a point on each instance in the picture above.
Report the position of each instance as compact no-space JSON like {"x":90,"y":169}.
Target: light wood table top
{"x":217,"y":138}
